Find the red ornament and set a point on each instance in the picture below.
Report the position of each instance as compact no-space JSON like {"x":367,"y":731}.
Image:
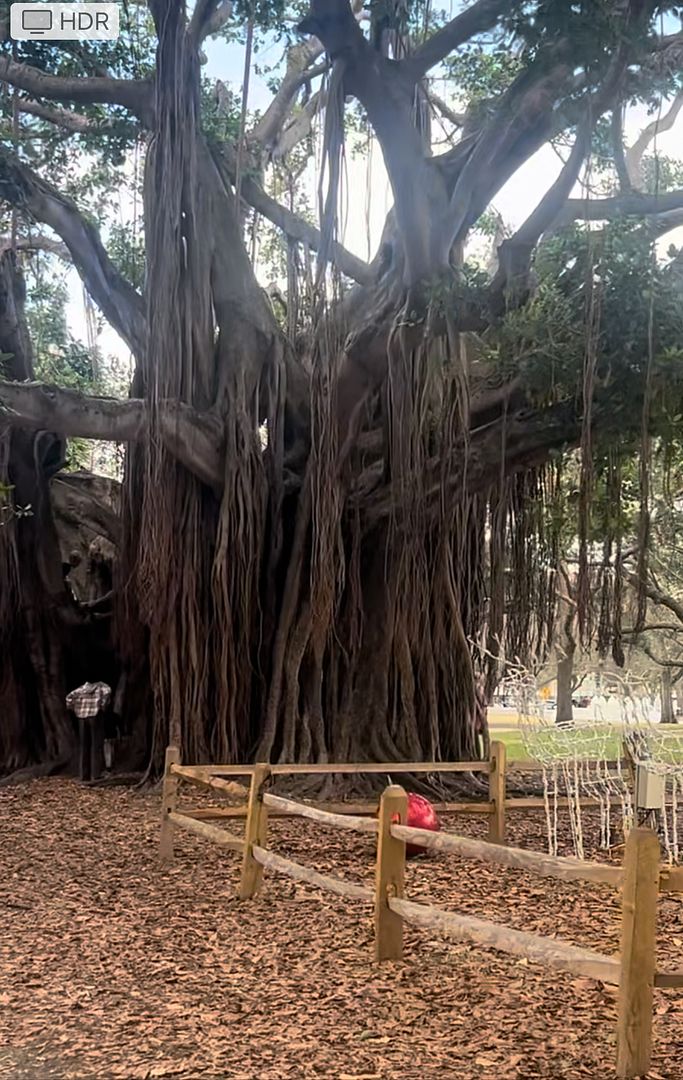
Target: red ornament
{"x":421,"y":815}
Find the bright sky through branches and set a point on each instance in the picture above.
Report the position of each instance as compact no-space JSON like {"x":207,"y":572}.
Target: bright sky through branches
{"x":364,"y":212}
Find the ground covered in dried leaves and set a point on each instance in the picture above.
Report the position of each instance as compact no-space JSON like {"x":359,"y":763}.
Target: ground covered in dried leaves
{"x":113,"y":967}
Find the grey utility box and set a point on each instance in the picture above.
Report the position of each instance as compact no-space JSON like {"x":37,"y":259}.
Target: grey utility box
{"x":649,"y":788}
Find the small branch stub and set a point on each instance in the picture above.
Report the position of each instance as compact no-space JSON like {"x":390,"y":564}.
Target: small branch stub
{"x":389,"y":877}
{"x":169,"y":799}
{"x":255,"y":833}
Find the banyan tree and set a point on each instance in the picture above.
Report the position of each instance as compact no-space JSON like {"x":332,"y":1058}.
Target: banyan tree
{"x":337,"y":506}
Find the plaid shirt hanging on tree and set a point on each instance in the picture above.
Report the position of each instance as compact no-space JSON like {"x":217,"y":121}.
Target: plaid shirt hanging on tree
{"x":89,"y":699}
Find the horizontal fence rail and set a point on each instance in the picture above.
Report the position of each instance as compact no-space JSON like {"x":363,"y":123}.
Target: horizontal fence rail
{"x":271,"y":861}
{"x":207,"y":832}
{"x":322,"y":817}
{"x":540,"y":950}
{"x":343,"y":809}
{"x":671,"y":879}
{"x":669,"y":979}
{"x":564,"y":868}
{"x":369,"y":767}
{"x":198,"y":776}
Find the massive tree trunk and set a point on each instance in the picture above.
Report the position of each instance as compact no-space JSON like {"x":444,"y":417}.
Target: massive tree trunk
{"x":317,"y":598}
{"x":46,"y":644}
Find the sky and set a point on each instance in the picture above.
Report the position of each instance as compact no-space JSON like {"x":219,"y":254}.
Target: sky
{"x":366,"y":194}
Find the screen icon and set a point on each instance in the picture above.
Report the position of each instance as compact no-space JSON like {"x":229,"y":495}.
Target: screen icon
{"x":64,"y":22}
{"x":35,"y":20}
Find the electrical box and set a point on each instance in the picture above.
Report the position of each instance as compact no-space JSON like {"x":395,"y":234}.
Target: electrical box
{"x":649,"y":789}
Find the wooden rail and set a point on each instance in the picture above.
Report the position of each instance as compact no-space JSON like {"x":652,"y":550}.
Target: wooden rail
{"x":540,"y":950}
{"x":671,"y":879}
{"x":199,"y":777}
{"x":669,"y":979}
{"x":369,"y":767}
{"x":323,"y":817}
{"x":271,"y":861}
{"x":564,"y":868}
{"x":207,"y":832}
{"x":366,"y":809}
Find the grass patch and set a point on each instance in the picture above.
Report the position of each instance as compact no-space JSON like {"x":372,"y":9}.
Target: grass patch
{"x":607,"y":747}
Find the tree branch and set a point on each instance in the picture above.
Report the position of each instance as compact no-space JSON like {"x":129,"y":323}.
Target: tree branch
{"x":119,"y":302}
{"x":35,"y":243}
{"x":514,"y":254}
{"x":137,"y":95}
{"x":453,"y":117}
{"x":632,"y":205}
{"x":634,"y":155}
{"x":194,"y":438}
{"x":658,"y":659}
{"x":299,"y":127}
{"x":208,"y":17}
{"x":67,"y":119}
{"x":299,"y":59}
{"x":625,"y":182}
{"x":64,"y":118}
{"x":480,"y":17}
{"x":657,"y":596}
{"x":298,"y":71}
{"x":291,"y":224}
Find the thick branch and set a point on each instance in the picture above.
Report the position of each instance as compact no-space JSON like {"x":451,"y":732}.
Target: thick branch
{"x":292,"y":225}
{"x":207,"y":18}
{"x":299,"y":70}
{"x":299,"y":127}
{"x":133,"y":94}
{"x":69,"y":120}
{"x":299,"y":59}
{"x":659,"y":660}
{"x":478,"y":18}
{"x":117,"y":299}
{"x":657,"y":596}
{"x":514,"y":255}
{"x":634,"y":156}
{"x":35,"y":243}
{"x":192,"y":437}
{"x":64,"y":118}
{"x":632,"y":205}
{"x":525,"y":437}
{"x":453,"y":117}
{"x":625,"y":182}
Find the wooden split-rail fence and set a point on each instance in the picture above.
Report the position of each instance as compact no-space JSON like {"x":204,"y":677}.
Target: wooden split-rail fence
{"x":641,"y":878}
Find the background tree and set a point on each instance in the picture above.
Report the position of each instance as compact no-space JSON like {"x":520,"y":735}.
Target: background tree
{"x":321,"y":513}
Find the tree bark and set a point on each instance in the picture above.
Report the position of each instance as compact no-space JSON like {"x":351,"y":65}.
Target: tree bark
{"x":44,"y":649}
{"x":666,"y":697}
{"x":565,"y":672}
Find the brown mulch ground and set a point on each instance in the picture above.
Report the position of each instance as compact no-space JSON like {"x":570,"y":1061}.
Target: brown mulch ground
{"x":113,"y":967}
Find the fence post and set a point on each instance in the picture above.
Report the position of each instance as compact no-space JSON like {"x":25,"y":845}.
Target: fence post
{"x":255,"y":832}
{"x":638,"y":959}
{"x":497,"y":785}
{"x":169,"y":798}
{"x":391,"y":861}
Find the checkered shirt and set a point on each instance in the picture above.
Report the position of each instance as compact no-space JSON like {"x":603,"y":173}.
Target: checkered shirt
{"x":88,"y":699}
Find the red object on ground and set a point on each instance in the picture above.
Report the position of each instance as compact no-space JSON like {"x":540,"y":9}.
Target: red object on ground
{"x":421,"y":815}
